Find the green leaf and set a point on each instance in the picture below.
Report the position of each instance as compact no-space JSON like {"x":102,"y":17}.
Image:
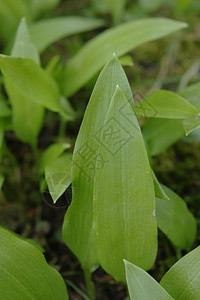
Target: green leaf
{"x":175,"y":220}
{"x":30,"y":81}
{"x":51,"y":154}
{"x":78,"y":224}
{"x":165,"y":104}
{"x":191,"y":124}
{"x":192,"y":94}
{"x":4,"y":108}
{"x":124,"y":186}
{"x":182,"y":281}
{"x":121,"y":39}
{"x":58,"y":175}
{"x":27,"y":115}
{"x":159,"y":191}
{"x":22,"y":46}
{"x":142,"y":286}
{"x":46,"y":32}
{"x":19,"y":264}
{"x":11,"y":13}
{"x":194,"y":136}
{"x":162,"y":133}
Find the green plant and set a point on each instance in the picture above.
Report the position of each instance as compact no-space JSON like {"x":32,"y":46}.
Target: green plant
{"x":180,"y":282}
{"x":118,"y":203}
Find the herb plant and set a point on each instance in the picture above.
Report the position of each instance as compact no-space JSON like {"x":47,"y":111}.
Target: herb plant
{"x":118,"y":202}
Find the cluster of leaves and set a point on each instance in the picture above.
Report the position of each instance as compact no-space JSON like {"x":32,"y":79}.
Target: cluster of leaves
{"x":118,"y":202}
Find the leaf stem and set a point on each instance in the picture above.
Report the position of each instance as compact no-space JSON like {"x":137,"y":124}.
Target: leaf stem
{"x":89,"y":284}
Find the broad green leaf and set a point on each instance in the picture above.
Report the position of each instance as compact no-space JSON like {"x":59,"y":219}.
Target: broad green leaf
{"x":121,"y":39}
{"x":116,"y":8}
{"x":182,"y":281}
{"x":192,"y":94}
{"x":23,"y":46}
{"x":165,"y":104}
{"x":58,"y":175}
{"x":194,"y":136}
{"x":51,"y":154}
{"x":31,"y":241}
{"x":4,"y":108}
{"x":38,"y":7}
{"x":159,"y":191}
{"x":27,"y":115}
{"x":48,"y":31}
{"x":191,"y":124}
{"x":142,"y":286}
{"x":66,"y":110}
{"x":11,"y":13}
{"x":78,"y":224}
{"x":175,"y":220}
{"x":24,"y":272}
{"x":24,"y":77}
{"x":123,"y":195}
{"x":162,"y":133}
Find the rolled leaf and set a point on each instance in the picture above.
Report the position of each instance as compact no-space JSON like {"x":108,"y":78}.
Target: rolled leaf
{"x":123,"y":195}
{"x":78,"y":229}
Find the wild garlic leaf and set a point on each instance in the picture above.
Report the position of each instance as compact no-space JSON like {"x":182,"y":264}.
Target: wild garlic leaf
{"x":121,"y":39}
{"x":159,"y":134}
{"x":159,"y":191}
{"x":165,"y":104}
{"x":58,"y":175}
{"x":24,"y":272}
{"x":22,"y":107}
{"x":23,"y":47}
{"x":142,"y":286}
{"x":30,"y":81}
{"x":175,"y":220}
{"x":123,"y":195}
{"x":78,"y":231}
{"x":51,"y":154}
{"x":191,"y":124}
{"x":48,"y":31}
{"x":182,"y":281}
